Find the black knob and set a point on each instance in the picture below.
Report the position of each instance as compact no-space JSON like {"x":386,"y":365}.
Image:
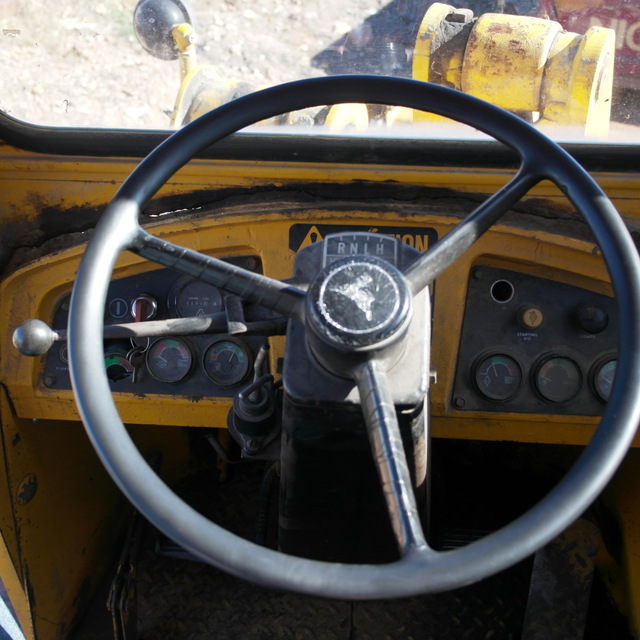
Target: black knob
{"x":592,"y":319}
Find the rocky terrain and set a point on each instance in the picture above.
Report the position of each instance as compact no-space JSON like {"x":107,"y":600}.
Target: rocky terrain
{"x":68,"y":63}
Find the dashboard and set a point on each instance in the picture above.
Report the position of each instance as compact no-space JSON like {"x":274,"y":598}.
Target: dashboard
{"x":524,"y":335}
{"x":533,"y":345}
{"x":528,"y":344}
{"x":215,"y":364}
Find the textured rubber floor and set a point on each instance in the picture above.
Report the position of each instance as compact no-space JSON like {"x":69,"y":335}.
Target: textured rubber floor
{"x":194,"y":602}
{"x":191,"y":601}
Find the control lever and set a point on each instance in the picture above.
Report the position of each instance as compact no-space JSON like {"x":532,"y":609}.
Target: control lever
{"x":252,"y":420}
{"x":236,"y":322}
{"x":35,"y":337}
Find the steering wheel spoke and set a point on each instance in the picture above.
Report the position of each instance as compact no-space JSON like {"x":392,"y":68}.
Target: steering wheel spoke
{"x":435,"y":260}
{"x":389,"y":456}
{"x":252,"y":287}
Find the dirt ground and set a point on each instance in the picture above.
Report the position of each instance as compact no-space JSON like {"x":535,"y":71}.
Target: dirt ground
{"x":68,"y":63}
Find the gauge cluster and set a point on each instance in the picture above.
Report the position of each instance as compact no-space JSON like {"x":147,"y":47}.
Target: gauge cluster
{"x":195,"y":365}
{"x":533,"y":345}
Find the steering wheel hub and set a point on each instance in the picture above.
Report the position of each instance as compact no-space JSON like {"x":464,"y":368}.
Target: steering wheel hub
{"x":360,"y":301}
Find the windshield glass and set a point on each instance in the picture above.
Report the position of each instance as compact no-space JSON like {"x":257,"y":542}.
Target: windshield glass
{"x":571,"y":67}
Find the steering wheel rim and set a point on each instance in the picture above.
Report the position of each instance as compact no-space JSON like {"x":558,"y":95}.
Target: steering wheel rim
{"x":416,"y":572}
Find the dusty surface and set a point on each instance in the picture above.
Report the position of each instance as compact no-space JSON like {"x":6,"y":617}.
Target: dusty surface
{"x":74,"y":64}
{"x":67,"y":63}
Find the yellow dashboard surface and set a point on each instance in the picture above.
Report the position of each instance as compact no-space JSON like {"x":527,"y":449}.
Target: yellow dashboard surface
{"x":510,"y":309}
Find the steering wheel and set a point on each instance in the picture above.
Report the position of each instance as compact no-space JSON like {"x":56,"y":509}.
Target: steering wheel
{"x":420,"y":569}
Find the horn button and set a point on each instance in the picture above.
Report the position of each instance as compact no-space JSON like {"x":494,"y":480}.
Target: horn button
{"x":357,"y":305}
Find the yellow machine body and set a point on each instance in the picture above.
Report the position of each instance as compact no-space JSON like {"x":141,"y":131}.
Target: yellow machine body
{"x":526,"y":65}
{"x":530,"y":66}
{"x":62,"y":519}
{"x":57,"y":495}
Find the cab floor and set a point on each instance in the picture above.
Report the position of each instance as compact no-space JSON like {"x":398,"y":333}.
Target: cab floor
{"x":183,"y":599}
{"x":192,"y":601}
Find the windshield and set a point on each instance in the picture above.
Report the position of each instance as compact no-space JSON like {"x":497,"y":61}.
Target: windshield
{"x":571,"y":67}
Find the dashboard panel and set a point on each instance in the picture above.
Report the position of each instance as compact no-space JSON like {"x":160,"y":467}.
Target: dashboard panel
{"x":534,"y":345}
{"x":211,"y":365}
{"x":528,"y":344}
{"x":478,"y":307}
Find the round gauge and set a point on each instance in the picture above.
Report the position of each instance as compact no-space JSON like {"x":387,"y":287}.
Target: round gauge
{"x":191,"y":298}
{"x":169,"y":360}
{"x":498,"y":377}
{"x":116,"y":363}
{"x":227,"y":362}
{"x":603,"y":381}
{"x":558,"y":379}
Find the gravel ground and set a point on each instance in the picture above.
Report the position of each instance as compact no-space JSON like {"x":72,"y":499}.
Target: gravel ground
{"x":73,"y":64}
{"x":66,"y":63}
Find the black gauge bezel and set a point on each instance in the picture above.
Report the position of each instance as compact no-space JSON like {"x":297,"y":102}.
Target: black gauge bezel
{"x":152,"y":370}
{"x":178,"y":287}
{"x":486,"y":356}
{"x":238,"y":379}
{"x":595,"y":370}
{"x":544,"y":359}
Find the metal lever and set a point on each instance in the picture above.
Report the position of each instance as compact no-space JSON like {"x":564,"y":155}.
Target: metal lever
{"x":35,"y":337}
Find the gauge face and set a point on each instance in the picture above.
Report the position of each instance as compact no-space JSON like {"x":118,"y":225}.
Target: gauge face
{"x":558,"y":379}
{"x":193,"y":298}
{"x":116,"y":364}
{"x":227,"y":362}
{"x":604,"y":379}
{"x":169,"y":360}
{"x":498,"y":377}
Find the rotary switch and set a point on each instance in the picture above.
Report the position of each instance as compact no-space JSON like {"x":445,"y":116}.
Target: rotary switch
{"x":530,"y":317}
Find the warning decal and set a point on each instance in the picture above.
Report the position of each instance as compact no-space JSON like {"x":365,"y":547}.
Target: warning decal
{"x":302,"y":235}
